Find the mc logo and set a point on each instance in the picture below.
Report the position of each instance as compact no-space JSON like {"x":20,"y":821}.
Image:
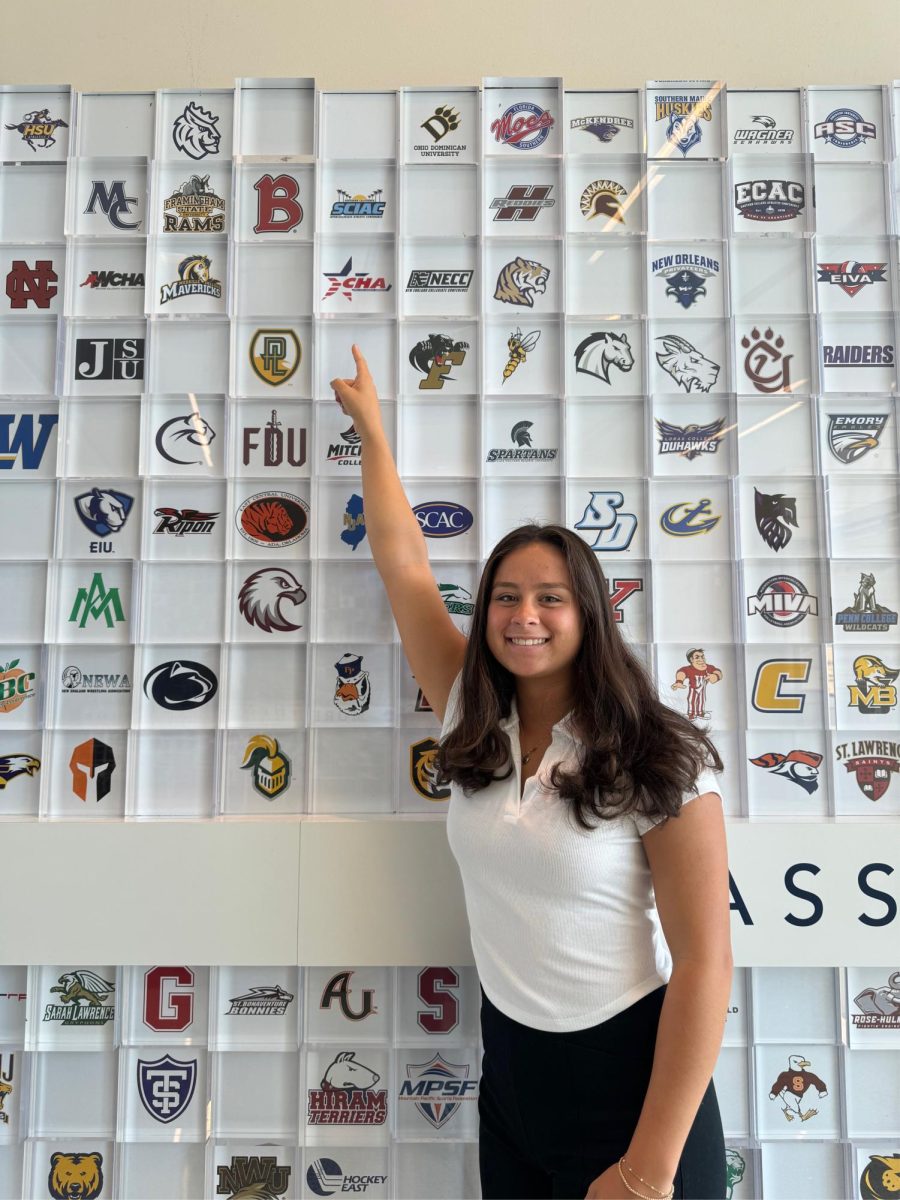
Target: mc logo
{"x":767,"y":696}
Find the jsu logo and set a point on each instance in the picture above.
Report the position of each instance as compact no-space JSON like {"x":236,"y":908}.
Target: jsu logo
{"x":615,"y":529}
{"x":166,"y":1086}
{"x":112,"y":201}
{"x":109,"y":358}
{"x":23,"y":442}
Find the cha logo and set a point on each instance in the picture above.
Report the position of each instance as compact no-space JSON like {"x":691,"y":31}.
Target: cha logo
{"x":181,"y":522}
{"x":262,"y":596}
{"x":346,"y":1094}
{"x":338,"y":990}
{"x":604,"y":129}
{"x":879,"y":1008}
{"x":775,"y":514}
{"x":35,"y":285}
{"x":599,"y":352}
{"x":519,"y":345}
{"x":16,"y":686}
{"x":352,"y":689}
{"x":114,"y":202}
{"x":92,"y":765}
{"x":769,"y":199}
{"x":275,"y":355}
{"x":683,"y":115}
{"x":435,"y":357}
{"x":424,"y":772}
{"x":872,"y":762}
{"x":522,"y":202}
{"x":98,"y":603}
{"x":103,"y":511}
{"x":273,"y":520}
{"x":356,"y":205}
{"x":263,"y":1001}
{"x":179,"y":435}
{"x":126,"y":280}
{"x":437,"y":1088}
{"x":181,"y":685}
{"x":194,"y":279}
{"x":782,"y":601}
{"x":767,"y":368}
{"x":346,"y":453}
{"x":695,"y":678}
{"x":851,"y":276}
{"x":324,"y":1177}
{"x":523,"y":126}
{"x":23,"y":446}
{"x":345,"y":282}
{"x":792,"y":1085}
{"x":269,"y":766}
{"x":873,"y":691}
{"x":865,"y":614}
{"x":766,"y":133}
{"x":845,"y":128}
{"x":82,"y":999}
{"x":685,"y":275}
{"x":354,"y":530}
{"x":690,"y":441}
{"x":798,"y":766}
{"x":443,"y":518}
{"x":852,"y":436}
{"x":166,"y":1086}
{"x":602,"y":515}
{"x":520,"y":281}
{"x":109,"y":358}
{"x":686,"y":518}
{"x":520,"y":436}
{"x":194,"y":132}
{"x":37,"y":129}
{"x":75,"y":1176}
{"x":12,"y":766}
{"x":278,"y":209}
{"x":194,"y":207}
{"x":256,"y":1177}
{"x":603,"y":198}
{"x":275,"y":453}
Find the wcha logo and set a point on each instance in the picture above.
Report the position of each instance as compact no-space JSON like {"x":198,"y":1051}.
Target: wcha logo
{"x":345,"y":282}
{"x":166,"y":1086}
{"x":75,"y":682}
{"x":872,"y":762}
{"x":190,"y":434}
{"x":851,"y":276}
{"x":603,"y":198}
{"x":685,"y":275}
{"x":519,"y":345}
{"x":792,"y":1085}
{"x":849,"y":354}
{"x":520,"y":281}
{"x":424,"y":773}
{"x":695,"y":678}
{"x":690,"y":368}
{"x":347,"y":1095}
{"x":16,"y":686}
{"x":92,"y":764}
{"x":782,"y":601}
{"x":98,"y":603}
{"x":181,"y":685}
{"x":766,"y":133}
{"x":767,"y":368}
{"x":604,"y":129}
{"x":194,"y":207}
{"x":683,"y":115}
{"x":522,"y":202}
{"x":262,"y":595}
{"x":194,"y":279}
{"x":324,"y":1177}
{"x":35,"y":285}
{"x":273,"y":520}
{"x":865,"y":614}
{"x":845,"y":128}
{"x":769,"y":199}
{"x":347,"y":452}
{"x":443,"y":518}
{"x":338,"y":991}
{"x":599,"y":352}
{"x":523,"y":126}
{"x":687,"y":518}
{"x":520,"y":436}
{"x":278,"y":210}
{"x":350,"y":204}
{"x":269,"y":766}
{"x":260,"y":1176}
{"x":438,"y":1088}
{"x":797,"y":766}
{"x":851,"y":436}
{"x":78,"y":1175}
{"x":82,"y":999}
{"x":275,"y":354}
{"x":445,"y":119}
{"x":181,"y":522}
{"x":440,"y":282}
{"x":126,"y":280}
{"x":873,"y":691}
{"x":352,"y":688}
{"x":690,"y":441}
{"x":354,"y":530}
{"x":775,"y":514}
{"x":435,"y":357}
{"x":194,"y":132}
{"x":275,"y":453}
{"x":23,"y":445}
{"x":267,"y":1000}
{"x":37,"y":129}
{"x":103,"y":511}
{"x":109,"y":358}
{"x":113,"y":201}
{"x":602,"y":515}
{"x":12,"y":766}
{"x":879,"y":1008}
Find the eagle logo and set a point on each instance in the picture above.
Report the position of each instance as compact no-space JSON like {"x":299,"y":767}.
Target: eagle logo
{"x":262,"y":595}
{"x":14,"y":765}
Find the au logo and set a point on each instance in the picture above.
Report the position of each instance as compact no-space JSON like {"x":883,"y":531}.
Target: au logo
{"x":338,"y":990}
{"x":423,"y":770}
{"x":269,"y":766}
{"x":685,"y":518}
{"x":435,"y":357}
{"x":772,"y":676}
{"x":275,"y":355}
{"x":873,"y":691}
{"x":97,"y":602}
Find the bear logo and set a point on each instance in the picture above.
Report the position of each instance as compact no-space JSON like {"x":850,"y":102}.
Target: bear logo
{"x":75,"y":1176}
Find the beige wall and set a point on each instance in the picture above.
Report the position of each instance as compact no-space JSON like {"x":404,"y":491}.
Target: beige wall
{"x":108,"y":46}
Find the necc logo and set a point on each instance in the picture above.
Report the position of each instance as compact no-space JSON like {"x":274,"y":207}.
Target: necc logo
{"x":443,"y":518}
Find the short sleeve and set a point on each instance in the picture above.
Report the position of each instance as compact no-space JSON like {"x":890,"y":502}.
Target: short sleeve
{"x":451,"y":712}
{"x":707,"y":781}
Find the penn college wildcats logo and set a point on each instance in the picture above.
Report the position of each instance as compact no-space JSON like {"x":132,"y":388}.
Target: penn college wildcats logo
{"x":194,"y":132}
{"x":262,"y":595}
{"x":598,"y":353}
{"x":689,"y":368}
{"x":799,"y":766}
{"x":774,"y":516}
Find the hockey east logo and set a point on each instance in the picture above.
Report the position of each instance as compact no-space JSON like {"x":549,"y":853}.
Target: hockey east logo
{"x":347,"y":1094}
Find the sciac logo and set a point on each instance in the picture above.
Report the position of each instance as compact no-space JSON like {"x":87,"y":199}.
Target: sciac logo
{"x":873,"y":691}
{"x":772,"y":677}
{"x":353,"y":688}
{"x":185,"y":522}
{"x":35,"y":285}
{"x":356,"y":205}
{"x":23,"y":445}
{"x":109,"y":358}
{"x":194,"y":279}
{"x":851,"y":276}
{"x":775,"y":514}
{"x":523,"y":126}
{"x":273,"y":520}
{"x":278,"y":210}
{"x":324,"y":1177}
{"x":435,"y":357}
{"x":14,"y":765}
{"x":602,"y":515}
{"x":264,"y":598}
{"x":797,"y":766}
{"x":275,"y":452}
{"x":112,"y":200}
{"x":765,"y":364}
{"x":74,"y":1175}
{"x":695,"y":678}
{"x":599,"y":352}
{"x":166,"y":1086}
{"x":269,"y":766}
{"x":683,"y":115}
{"x":82,"y":999}
{"x":354,"y":530}
{"x":195,"y":132}
{"x":690,"y":368}
{"x":92,"y":765}
{"x":782,"y":601}
{"x":765,"y":133}
{"x":522,"y":202}
{"x":880,"y":1179}
{"x":424,"y":773}
{"x":603,"y":198}
{"x":338,"y":991}
{"x":443,"y":518}
{"x":852,"y":436}
{"x":256,"y":1175}
{"x":181,"y":685}
{"x":275,"y":355}
{"x":686,"y":518}
{"x":169,"y":999}
{"x":872,"y":762}
{"x":604,"y":129}
{"x":37,"y":128}
{"x":97,"y":602}
{"x":865,"y":614}
{"x":844,"y":127}
{"x":689,"y":441}
{"x":186,"y":440}
{"x":103,"y":510}
{"x":519,"y":345}
{"x":347,"y":281}
{"x":792,"y":1085}
{"x":437,"y":1088}
{"x":685,"y":275}
{"x":521,"y":281}
{"x":346,"y":1095}
{"x":194,"y":207}
{"x":769,"y":199}
{"x":267,"y":1000}
{"x":126,"y":280}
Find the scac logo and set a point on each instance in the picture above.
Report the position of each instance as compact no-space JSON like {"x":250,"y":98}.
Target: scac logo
{"x":278,"y":209}
{"x":437,"y":1088}
{"x":615,"y":529}
{"x":443,"y":518}
{"x":166,"y":1086}
{"x":169,"y":999}
{"x":767,"y":694}
{"x":22,"y":444}
{"x":251,"y":1175}
{"x":437,"y":989}
{"x":338,"y":991}
{"x":113,"y":201}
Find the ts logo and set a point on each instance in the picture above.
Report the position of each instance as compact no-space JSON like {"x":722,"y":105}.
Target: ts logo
{"x":767,"y":695}
{"x":168,"y":1002}
{"x":442,"y":1012}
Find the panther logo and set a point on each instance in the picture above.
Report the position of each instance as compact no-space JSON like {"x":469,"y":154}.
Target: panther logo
{"x":179,"y":433}
{"x":262,"y":594}
{"x":83,"y":987}
{"x":75,"y":1176}
{"x":435,"y":356}
{"x":688,"y":367}
{"x":194,"y":132}
{"x":103,"y":511}
{"x":520,"y":281}
{"x":599,"y":352}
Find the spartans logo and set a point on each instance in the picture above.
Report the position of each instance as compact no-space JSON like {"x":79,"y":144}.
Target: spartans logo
{"x":520,"y":281}
{"x":269,"y":766}
{"x":423,"y":770}
{"x":603,"y":198}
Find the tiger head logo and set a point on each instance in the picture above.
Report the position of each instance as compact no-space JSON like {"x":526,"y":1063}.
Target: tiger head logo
{"x":425,"y":774}
{"x":194,"y":132}
{"x":521,"y":281}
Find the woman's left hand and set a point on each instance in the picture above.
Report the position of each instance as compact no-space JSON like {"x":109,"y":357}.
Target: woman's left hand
{"x":609,"y":1186}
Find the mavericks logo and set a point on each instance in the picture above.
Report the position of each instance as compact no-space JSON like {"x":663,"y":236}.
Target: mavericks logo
{"x":194,"y":279}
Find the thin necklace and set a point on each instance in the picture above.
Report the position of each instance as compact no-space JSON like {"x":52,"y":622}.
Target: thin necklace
{"x":525,"y":757}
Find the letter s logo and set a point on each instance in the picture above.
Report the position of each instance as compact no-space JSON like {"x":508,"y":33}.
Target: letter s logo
{"x":434,"y":990}
{"x":167,"y":1009}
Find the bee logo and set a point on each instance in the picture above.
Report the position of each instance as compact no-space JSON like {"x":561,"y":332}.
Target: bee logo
{"x":519,"y":346}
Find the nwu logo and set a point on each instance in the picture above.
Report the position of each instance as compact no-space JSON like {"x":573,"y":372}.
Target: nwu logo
{"x":112,"y":201}
{"x":338,"y":991}
{"x":194,"y":132}
{"x":166,"y":1086}
{"x":23,"y":444}
{"x":257,"y":1177}
{"x":615,"y":529}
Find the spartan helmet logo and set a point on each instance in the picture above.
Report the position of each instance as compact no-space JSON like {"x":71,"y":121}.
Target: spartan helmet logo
{"x":92,"y":764}
{"x":520,"y":435}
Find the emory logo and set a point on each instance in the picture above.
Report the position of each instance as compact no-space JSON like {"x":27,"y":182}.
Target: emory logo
{"x":112,"y":201}
{"x":338,"y":990}
{"x":256,"y":1176}
{"x":269,"y":766}
{"x":523,"y":126}
{"x":346,"y":1095}
{"x":851,"y":276}
{"x":873,"y":763}
{"x":851,"y":437}
{"x":437,"y":1088}
{"x":166,"y":1086}
{"x":82,"y":999}
{"x":799,"y":766}
{"x":92,"y":765}
{"x":346,"y":281}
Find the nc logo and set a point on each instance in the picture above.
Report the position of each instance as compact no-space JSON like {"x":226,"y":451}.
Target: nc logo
{"x":614,"y":529}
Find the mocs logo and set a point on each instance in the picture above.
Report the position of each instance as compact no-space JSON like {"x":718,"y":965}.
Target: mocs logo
{"x":773,"y":677}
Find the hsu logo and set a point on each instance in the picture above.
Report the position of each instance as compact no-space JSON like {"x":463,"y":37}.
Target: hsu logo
{"x":113,"y":202}
{"x":23,"y":441}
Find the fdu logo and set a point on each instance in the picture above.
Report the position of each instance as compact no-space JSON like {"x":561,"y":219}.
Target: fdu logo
{"x":325,"y":1177}
{"x":443,"y":518}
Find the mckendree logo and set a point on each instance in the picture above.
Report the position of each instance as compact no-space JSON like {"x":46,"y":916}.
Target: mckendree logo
{"x":443,"y":518}
{"x":523,"y":126}
{"x":604,"y":129}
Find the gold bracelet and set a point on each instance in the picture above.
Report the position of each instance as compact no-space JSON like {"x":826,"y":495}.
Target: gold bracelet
{"x":667,"y":1195}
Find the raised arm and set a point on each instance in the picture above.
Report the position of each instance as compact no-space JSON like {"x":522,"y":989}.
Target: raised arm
{"x":433,"y":645}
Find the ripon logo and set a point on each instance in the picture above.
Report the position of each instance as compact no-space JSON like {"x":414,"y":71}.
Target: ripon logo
{"x":23,"y":443}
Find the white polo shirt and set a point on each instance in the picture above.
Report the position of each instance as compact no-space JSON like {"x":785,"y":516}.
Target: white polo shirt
{"x":564,"y":926}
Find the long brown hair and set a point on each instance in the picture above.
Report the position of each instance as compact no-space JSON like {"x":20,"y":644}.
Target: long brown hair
{"x":638,"y":754}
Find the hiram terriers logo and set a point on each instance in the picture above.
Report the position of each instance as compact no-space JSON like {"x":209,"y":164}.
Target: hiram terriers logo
{"x":269,"y":766}
{"x":873,"y":762}
{"x":799,"y":766}
{"x":346,"y":1095}
{"x":879,"y":1008}
{"x":437,"y":1088}
{"x":82,"y":999}
{"x":523,"y":126}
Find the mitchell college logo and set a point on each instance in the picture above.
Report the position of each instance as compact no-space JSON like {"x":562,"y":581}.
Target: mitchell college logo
{"x":269,"y":766}
{"x":769,"y":199}
{"x":82,"y":999}
{"x":683,"y":115}
{"x":523,"y":126}
{"x":181,"y":685}
{"x":92,"y":765}
{"x":865,"y":614}
{"x":685,"y":275}
{"x":37,"y":128}
{"x":852,"y":436}
{"x":604,"y":129}
{"x":195,"y":132}
{"x":435,"y":357}
{"x":690,"y":441}
{"x":437,"y":1088}
{"x":347,"y":1095}
{"x":166,"y":1086}
{"x":347,"y":452}
{"x":194,"y":207}
{"x":797,"y":766}
{"x":782,"y":601}
{"x":845,"y":128}
{"x":602,"y":515}
{"x":261,"y":598}
{"x":274,"y":520}
{"x":113,"y":201}
{"x":194,"y":279}
{"x":599,"y":352}
{"x":522,"y":202}
{"x":873,"y":762}
{"x":346,"y":282}
{"x":851,"y":276}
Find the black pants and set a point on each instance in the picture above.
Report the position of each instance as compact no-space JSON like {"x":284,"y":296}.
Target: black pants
{"x":557,"y":1109}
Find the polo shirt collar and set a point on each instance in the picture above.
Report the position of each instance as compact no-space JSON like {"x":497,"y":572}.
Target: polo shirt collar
{"x":563,"y":726}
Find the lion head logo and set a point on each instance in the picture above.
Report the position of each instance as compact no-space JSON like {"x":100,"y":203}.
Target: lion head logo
{"x":261,"y":597}
{"x":194,"y":132}
{"x":75,"y":1176}
{"x":520,"y":281}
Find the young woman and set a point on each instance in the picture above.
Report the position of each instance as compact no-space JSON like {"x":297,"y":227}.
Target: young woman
{"x":587,"y":826}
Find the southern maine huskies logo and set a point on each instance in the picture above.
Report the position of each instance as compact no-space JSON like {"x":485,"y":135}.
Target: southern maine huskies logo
{"x":75,"y":1176}
{"x":352,"y":689}
{"x":683,"y":115}
{"x":520,"y":281}
{"x":865,"y":614}
{"x":195,"y":132}
{"x":799,"y":766}
{"x":269,"y":766}
{"x":166,"y":1086}
{"x":424,"y":773}
{"x":435,"y":356}
{"x":346,"y":1095}
{"x":873,"y":762}
{"x":437,"y":1088}
{"x":598,"y":353}
{"x":690,"y":369}
{"x":82,"y":999}
{"x":194,"y":279}
{"x":264,"y":599}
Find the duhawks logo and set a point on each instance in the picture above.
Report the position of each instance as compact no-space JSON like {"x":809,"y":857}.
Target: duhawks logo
{"x":865,"y":614}
{"x":852,"y":436}
{"x":262,"y":595}
{"x":338,"y":990}
{"x":598,"y":353}
{"x":685,"y":275}
{"x":346,"y":1095}
{"x":690,"y":369}
{"x":683,"y":115}
{"x":166,"y":1086}
{"x":775,"y":513}
{"x":194,"y":132}
{"x":873,"y":691}
{"x":82,"y":999}
{"x":435,"y":357}
{"x":437,"y":1088}
{"x":851,"y":276}
{"x":194,"y":279}
{"x":770,"y":199}
{"x":603,"y":198}
{"x":523,"y":126}
{"x":782,"y":601}
{"x":799,"y":766}
{"x":604,"y":129}
{"x":269,"y":766}
{"x":879,"y":1008}
{"x":764,"y":364}
{"x":346,"y":281}
{"x":845,"y":128}
{"x":873,"y":762}
{"x":262,"y":1001}
{"x":690,"y":441}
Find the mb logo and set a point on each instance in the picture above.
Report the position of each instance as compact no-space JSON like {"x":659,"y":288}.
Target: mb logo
{"x":113,"y":201}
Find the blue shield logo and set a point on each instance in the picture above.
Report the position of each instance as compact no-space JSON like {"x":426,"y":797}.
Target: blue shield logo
{"x":437,"y":1087}
{"x":166,"y":1086}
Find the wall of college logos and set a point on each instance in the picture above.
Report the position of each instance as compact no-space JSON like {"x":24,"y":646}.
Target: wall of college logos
{"x":666,"y":317}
